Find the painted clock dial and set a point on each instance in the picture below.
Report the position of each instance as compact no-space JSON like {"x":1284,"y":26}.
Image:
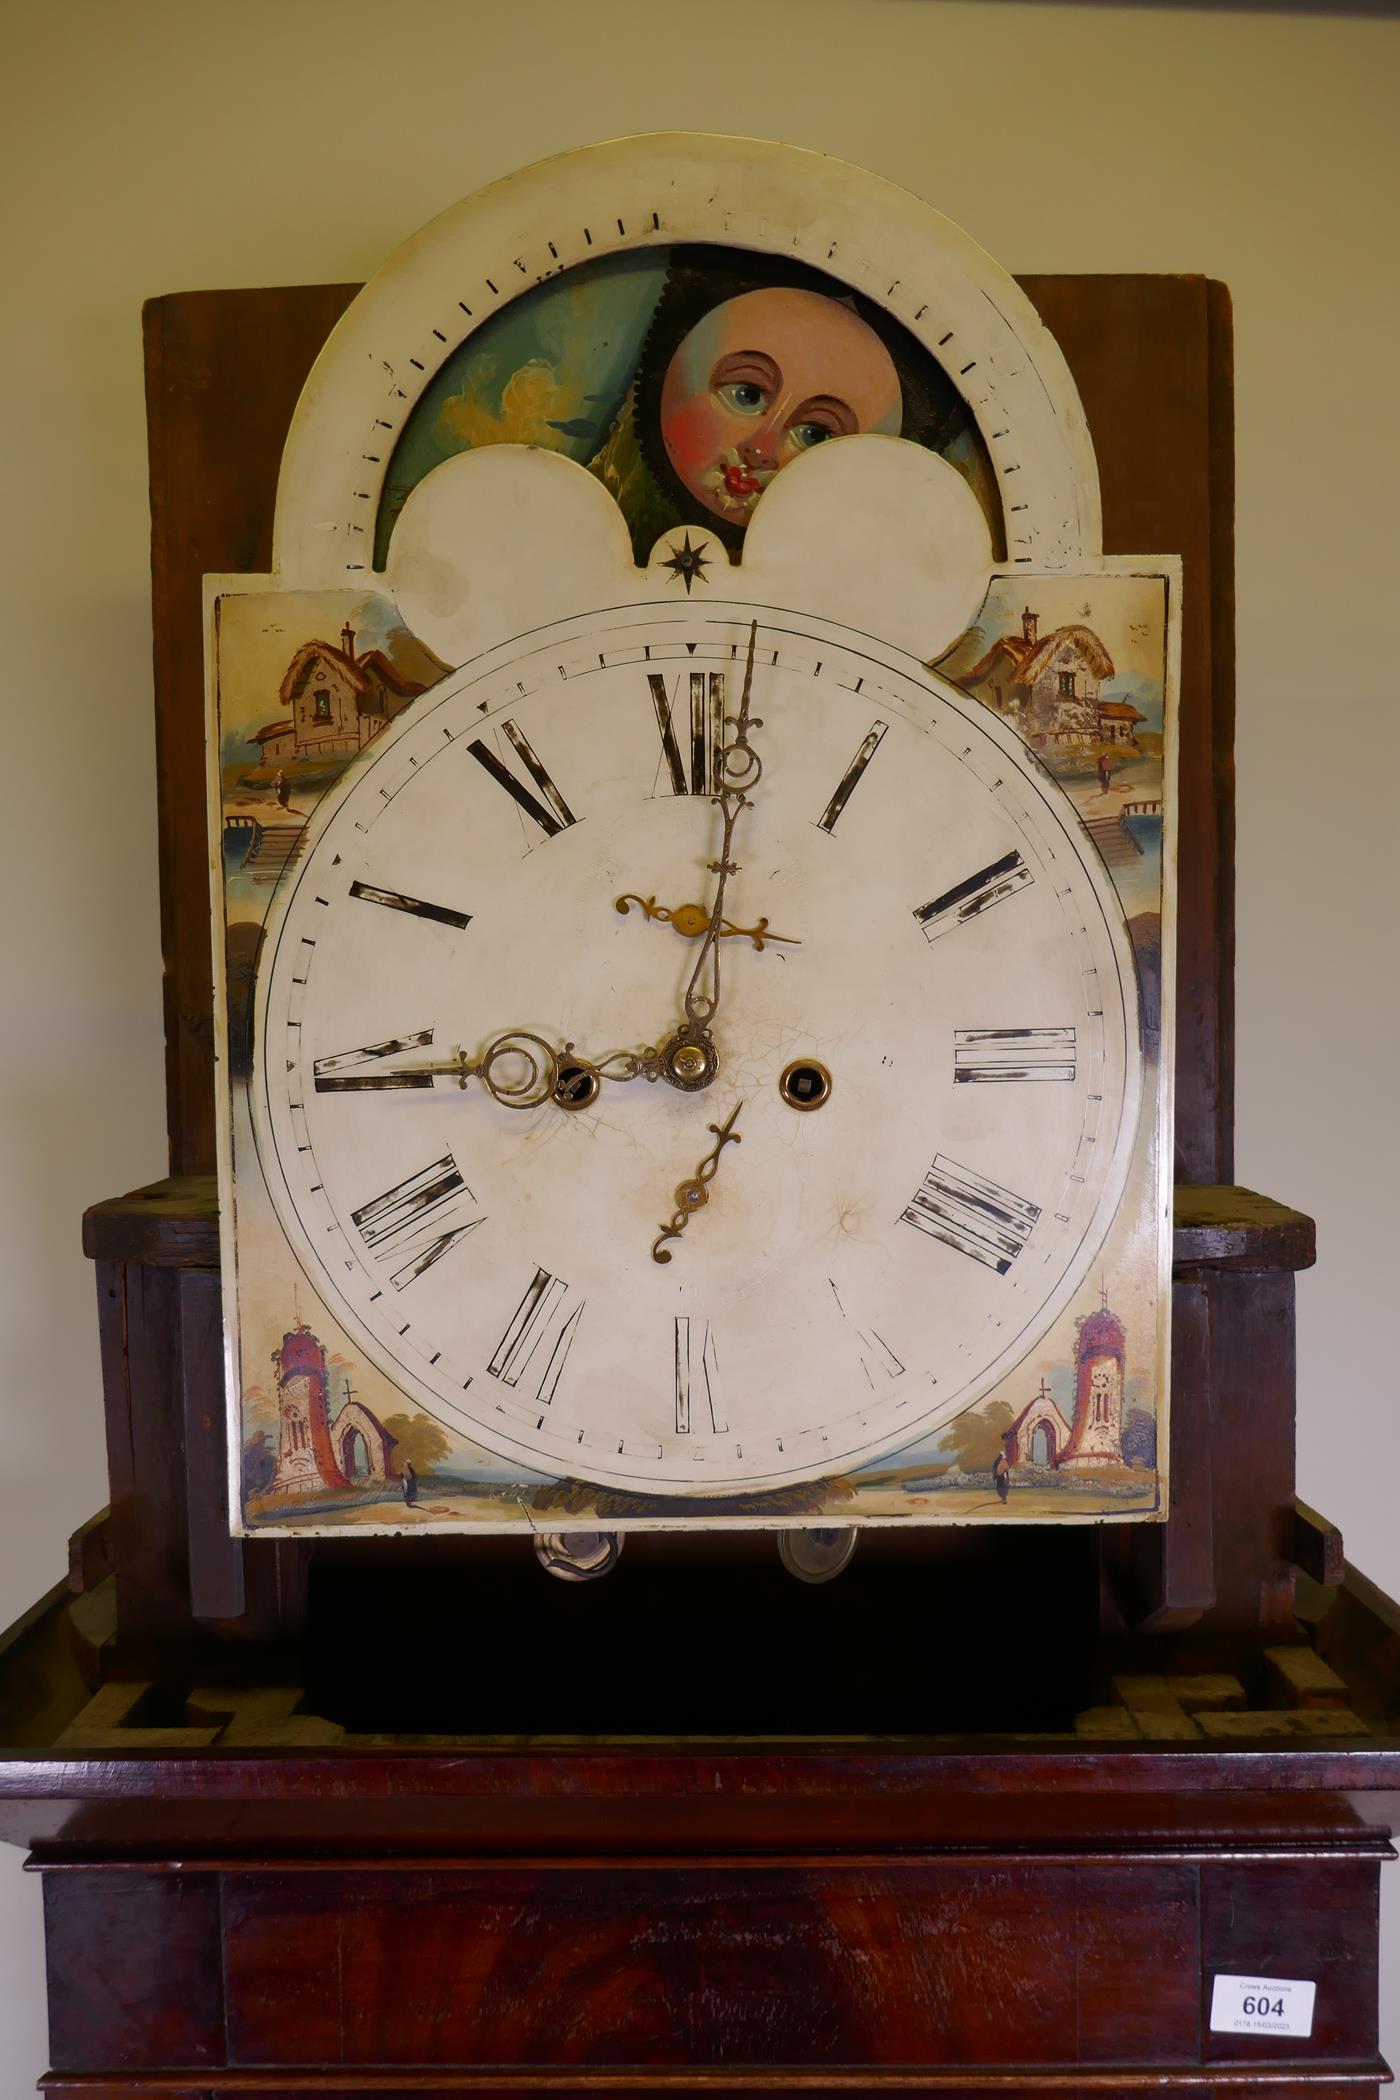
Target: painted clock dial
{"x":938,"y":939}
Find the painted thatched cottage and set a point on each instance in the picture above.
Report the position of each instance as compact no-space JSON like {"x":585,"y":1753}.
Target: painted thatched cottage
{"x":333,"y":702}
{"x":1051,"y":689}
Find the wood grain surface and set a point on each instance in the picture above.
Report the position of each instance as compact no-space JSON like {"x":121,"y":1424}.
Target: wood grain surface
{"x":965,"y":1966}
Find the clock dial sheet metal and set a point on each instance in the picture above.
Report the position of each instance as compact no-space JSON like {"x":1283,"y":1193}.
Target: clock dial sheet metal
{"x":443,"y":1311}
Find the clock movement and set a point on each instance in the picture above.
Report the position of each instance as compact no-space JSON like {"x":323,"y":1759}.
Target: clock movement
{"x":697,"y":899}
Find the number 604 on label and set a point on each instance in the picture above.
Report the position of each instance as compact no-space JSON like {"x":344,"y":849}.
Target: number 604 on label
{"x":1261,"y":2005}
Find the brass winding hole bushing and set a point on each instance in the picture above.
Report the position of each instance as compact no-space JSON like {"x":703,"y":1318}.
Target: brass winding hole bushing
{"x":577,"y":1084}
{"x":805,"y":1084}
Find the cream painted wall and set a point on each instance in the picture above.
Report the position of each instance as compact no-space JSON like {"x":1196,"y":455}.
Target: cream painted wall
{"x":163,"y":145}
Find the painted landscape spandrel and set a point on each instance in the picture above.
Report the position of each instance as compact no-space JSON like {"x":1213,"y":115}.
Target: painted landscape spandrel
{"x":1077,"y":666}
{"x":306,"y":681}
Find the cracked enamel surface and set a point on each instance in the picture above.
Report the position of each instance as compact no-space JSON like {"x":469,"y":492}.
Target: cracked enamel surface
{"x":820,"y":1324}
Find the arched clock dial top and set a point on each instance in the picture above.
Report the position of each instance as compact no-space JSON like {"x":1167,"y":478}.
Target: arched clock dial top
{"x":945,"y":949}
{"x":633,"y":196}
{"x":700,"y":1058}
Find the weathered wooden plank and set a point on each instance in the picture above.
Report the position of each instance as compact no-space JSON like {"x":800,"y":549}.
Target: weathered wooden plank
{"x":1208,"y":1693}
{"x":1318,"y":1546}
{"x":223,"y":372}
{"x":1154,"y":1706}
{"x":173,"y":1224}
{"x":217,"y":1590}
{"x":1282,"y":1721}
{"x":108,"y":1722}
{"x":1235,"y":1228}
{"x":1304,"y":1679}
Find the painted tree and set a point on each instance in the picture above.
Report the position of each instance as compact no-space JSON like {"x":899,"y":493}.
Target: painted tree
{"x":417,"y":1437}
{"x":1140,"y":1439}
{"x":974,"y":1438}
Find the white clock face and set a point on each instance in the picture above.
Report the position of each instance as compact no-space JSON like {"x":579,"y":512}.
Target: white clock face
{"x":951,"y":956}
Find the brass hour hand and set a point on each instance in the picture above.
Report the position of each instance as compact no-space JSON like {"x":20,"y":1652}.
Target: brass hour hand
{"x":694,"y":1194}
{"x":691,"y":920}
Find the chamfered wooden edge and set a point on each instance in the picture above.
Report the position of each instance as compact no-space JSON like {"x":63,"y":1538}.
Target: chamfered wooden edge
{"x":171,"y":1224}
{"x":174,"y":1224}
{"x":1235,"y":1228}
{"x":633,"y":1770}
{"x":572,"y":2082}
{"x":1318,"y":1548}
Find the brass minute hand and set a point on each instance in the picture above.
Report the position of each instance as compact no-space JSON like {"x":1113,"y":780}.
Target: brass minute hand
{"x":738,"y":771}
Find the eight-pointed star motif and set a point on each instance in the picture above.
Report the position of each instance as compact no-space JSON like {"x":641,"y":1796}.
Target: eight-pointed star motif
{"x":687,"y":563}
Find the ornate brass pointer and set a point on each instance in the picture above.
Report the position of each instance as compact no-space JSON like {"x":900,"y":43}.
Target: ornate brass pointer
{"x":519,"y":1070}
{"x":740,"y":770}
{"x":689,"y":1059}
{"x":694,"y":1194}
{"x":691,"y":920}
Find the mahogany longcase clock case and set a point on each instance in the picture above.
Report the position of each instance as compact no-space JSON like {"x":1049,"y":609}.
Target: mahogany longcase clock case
{"x":696,"y":805}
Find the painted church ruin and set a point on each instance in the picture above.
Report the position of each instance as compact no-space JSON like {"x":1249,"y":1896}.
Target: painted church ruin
{"x":1040,"y":1435}
{"x":318,"y":1453}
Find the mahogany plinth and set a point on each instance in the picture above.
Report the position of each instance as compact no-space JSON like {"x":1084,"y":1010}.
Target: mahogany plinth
{"x":782,"y":1917}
